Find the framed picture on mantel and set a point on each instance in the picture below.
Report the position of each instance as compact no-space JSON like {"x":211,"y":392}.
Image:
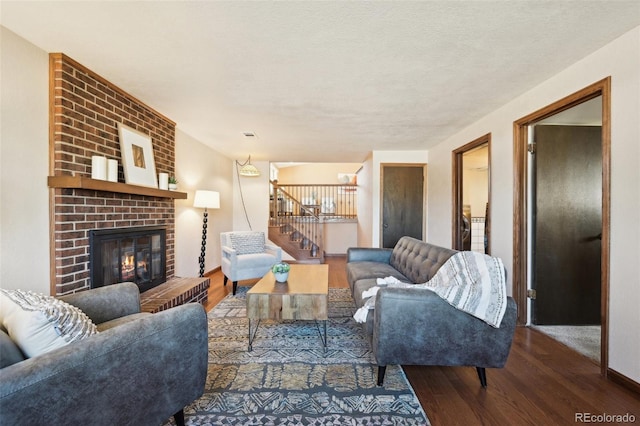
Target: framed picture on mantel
{"x":137,"y":157}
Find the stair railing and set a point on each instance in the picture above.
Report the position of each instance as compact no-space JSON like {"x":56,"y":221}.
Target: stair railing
{"x":327,"y":201}
{"x":302,"y":209}
{"x":300,"y":221}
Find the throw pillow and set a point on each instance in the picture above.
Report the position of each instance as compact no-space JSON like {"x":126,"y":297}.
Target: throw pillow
{"x":38,"y":323}
{"x":248,"y":242}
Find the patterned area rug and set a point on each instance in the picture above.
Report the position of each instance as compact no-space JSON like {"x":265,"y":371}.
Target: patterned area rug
{"x":288,"y":378}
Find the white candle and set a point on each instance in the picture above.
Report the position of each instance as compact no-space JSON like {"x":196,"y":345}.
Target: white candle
{"x":112,"y":170}
{"x":163,"y":180}
{"x":98,"y":167}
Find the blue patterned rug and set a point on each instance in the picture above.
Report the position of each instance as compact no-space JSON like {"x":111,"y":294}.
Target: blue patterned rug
{"x":288,"y":378}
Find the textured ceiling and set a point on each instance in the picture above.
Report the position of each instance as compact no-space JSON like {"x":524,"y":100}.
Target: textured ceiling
{"x":322,"y":81}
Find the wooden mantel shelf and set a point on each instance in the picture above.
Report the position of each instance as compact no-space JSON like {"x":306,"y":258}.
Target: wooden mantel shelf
{"x":81,"y":182}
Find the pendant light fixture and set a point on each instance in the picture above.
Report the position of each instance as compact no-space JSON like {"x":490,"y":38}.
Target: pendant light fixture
{"x":247,"y":169}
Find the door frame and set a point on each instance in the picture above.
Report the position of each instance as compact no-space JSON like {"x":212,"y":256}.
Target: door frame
{"x":457,"y":169}
{"x":424,"y":197}
{"x":520,"y":207}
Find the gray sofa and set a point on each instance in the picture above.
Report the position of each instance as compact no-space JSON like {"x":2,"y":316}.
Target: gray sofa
{"x":140,"y":369}
{"x":416,"y":326}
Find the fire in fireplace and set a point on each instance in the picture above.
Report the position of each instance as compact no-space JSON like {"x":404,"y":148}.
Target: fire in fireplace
{"x":128,"y":254}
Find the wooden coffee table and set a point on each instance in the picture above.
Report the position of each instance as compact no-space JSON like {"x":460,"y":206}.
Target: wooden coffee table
{"x":304,"y":296}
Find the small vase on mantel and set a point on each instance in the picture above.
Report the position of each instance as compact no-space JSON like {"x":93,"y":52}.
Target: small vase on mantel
{"x":281,"y":271}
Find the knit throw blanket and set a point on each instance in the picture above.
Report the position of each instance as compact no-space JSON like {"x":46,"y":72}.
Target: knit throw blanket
{"x":471,"y":282}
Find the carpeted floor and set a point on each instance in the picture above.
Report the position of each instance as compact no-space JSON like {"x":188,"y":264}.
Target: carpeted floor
{"x":584,"y":339}
{"x":288,"y":379}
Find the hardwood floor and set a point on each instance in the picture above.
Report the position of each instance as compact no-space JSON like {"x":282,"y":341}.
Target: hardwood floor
{"x":543,"y":383}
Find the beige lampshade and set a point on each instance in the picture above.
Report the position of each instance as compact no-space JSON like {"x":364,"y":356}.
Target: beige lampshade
{"x":207,"y":199}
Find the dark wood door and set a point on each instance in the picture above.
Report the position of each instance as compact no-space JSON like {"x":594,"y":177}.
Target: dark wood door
{"x":567,"y":225}
{"x":402,"y":203}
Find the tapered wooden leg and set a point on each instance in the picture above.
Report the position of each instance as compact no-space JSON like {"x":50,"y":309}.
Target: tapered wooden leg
{"x":225,"y":281}
{"x":482,"y":375}
{"x":235,"y":286}
{"x":179,"y":418}
{"x":381,"y":370}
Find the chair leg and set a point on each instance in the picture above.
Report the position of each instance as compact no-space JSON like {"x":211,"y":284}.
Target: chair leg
{"x":482,"y":375}
{"x":225,"y":281}
{"x":235,"y":287}
{"x":381,"y":370}
{"x":179,"y":418}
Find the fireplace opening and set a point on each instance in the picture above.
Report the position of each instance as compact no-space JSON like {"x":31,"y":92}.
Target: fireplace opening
{"x":128,"y":254}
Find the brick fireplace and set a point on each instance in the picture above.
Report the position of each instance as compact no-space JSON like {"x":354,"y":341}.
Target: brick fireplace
{"x":85,"y":110}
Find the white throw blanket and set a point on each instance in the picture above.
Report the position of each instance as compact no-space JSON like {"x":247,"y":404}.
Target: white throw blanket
{"x":472,"y":282}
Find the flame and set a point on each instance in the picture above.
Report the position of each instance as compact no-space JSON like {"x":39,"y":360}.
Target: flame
{"x":128,"y":260}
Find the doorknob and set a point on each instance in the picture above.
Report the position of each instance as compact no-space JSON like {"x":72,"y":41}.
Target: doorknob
{"x":592,"y":238}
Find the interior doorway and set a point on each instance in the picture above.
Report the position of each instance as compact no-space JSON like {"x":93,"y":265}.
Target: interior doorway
{"x":526,"y":252}
{"x":403,"y":205}
{"x":471,"y":194}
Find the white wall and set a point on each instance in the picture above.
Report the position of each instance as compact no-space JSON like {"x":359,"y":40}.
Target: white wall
{"x":365,"y":200}
{"x":315,"y":173}
{"x":200,"y":167}
{"x":24,"y":165}
{"x":339,"y":236}
{"x":475,"y":191}
{"x":620,"y":60}
{"x":255,"y":193}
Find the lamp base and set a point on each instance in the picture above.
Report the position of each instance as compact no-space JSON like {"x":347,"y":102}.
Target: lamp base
{"x":203,"y":248}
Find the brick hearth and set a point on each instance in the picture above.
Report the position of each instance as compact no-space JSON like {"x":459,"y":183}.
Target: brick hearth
{"x":175,"y":292}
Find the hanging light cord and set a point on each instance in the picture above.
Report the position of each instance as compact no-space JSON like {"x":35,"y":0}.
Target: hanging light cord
{"x":244,"y":207}
{"x":243,"y":164}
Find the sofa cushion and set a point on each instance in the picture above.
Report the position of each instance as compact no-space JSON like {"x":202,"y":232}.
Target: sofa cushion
{"x":38,"y":323}
{"x":361,"y":270}
{"x":417,"y":260}
{"x":361,"y":286}
{"x":253,"y":260}
{"x":247,"y":242}
{"x":9,"y":352}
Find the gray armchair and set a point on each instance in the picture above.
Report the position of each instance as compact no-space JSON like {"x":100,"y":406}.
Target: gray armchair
{"x":246,"y":255}
{"x":140,"y":369}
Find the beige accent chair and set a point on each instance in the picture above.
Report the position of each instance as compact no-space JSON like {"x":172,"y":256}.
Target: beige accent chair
{"x":246,"y":255}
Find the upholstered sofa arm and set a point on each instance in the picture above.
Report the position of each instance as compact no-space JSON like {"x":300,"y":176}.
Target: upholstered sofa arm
{"x":364,"y":254}
{"x":418,"y":327}
{"x":136,"y":373}
{"x":106,"y":303}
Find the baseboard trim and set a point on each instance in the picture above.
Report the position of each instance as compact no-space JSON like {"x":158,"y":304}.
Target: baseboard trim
{"x":623,"y":380}
{"x":213,"y":271}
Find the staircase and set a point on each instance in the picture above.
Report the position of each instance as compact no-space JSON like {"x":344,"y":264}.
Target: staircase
{"x":294,"y":243}
{"x":298,"y":213}
{"x":296,"y":227}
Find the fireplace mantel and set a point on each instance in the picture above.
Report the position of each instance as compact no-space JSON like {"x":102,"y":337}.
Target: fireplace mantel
{"x":81,"y":182}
